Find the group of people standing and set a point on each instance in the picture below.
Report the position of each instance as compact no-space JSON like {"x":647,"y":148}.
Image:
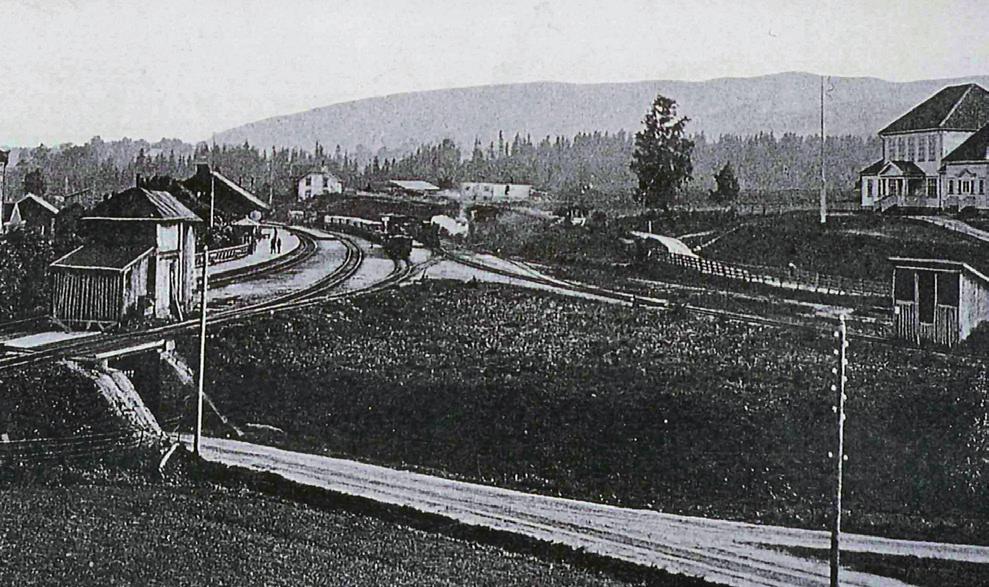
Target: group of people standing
{"x":275,"y":243}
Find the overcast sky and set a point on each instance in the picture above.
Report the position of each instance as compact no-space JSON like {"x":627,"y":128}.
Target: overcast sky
{"x":71,"y":69}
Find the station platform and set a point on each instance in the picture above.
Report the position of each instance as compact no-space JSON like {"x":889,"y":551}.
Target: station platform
{"x":30,"y":342}
{"x":262,"y":253}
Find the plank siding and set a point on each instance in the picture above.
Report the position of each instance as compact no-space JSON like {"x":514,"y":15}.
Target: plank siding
{"x":102,"y":296}
{"x":944,"y":330}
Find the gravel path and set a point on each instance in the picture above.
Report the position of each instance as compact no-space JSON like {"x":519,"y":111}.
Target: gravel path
{"x":732,"y":553}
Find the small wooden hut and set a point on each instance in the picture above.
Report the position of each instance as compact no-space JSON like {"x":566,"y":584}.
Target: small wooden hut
{"x":937,"y":301}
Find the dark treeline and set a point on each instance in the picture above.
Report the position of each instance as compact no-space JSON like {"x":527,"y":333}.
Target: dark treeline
{"x":596,"y":162}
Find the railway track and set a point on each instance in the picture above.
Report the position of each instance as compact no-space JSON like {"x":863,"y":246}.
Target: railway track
{"x":317,"y":293}
{"x":306,"y":250}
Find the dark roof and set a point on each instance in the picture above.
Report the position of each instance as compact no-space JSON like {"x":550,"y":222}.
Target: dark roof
{"x":908,"y":168}
{"x":938,"y":265}
{"x":40,"y":203}
{"x":874,"y":169}
{"x":254,"y":200}
{"x":100,"y":256}
{"x":143,"y":204}
{"x":975,"y":148}
{"x":243,"y":201}
{"x":963,"y":107}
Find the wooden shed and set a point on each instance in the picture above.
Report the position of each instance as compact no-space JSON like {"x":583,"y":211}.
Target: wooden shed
{"x":936,"y":300}
{"x":100,"y":286}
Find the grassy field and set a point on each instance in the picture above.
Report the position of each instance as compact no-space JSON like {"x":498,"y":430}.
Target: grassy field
{"x":51,"y":401}
{"x":667,"y":411}
{"x":851,"y":246}
{"x":113,"y":529}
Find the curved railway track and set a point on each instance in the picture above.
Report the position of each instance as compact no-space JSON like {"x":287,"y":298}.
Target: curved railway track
{"x":316,"y":293}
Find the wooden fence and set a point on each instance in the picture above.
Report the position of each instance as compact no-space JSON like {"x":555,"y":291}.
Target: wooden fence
{"x":225,"y":254}
{"x":776,"y":276}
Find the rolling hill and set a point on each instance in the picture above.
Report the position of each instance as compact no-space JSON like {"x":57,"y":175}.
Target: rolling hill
{"x":786,"y":102}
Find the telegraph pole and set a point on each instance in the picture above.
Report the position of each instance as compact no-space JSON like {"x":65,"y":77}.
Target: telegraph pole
{"x":839,"y":389}
{"x":197,"y":438}
{"x":824,"y":184}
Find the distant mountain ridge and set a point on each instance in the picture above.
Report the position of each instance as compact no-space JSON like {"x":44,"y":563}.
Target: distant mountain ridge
{"x":778,"y":103}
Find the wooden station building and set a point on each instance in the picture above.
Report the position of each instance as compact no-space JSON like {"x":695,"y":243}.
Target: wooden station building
{"x":139,"y":262}
{"x":937,"y":301}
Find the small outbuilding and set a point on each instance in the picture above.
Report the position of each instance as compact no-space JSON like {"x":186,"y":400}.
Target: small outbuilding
{"x":937,"y":301}
{"x":138,"y":262}
{"x":38,"y":214}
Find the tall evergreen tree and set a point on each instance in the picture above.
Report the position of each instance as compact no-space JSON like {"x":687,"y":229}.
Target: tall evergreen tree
{"x":661,"y":159}
{"x":726,"y":190}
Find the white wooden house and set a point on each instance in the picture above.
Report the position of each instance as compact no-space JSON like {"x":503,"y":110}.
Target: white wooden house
{"x":916,"y":146}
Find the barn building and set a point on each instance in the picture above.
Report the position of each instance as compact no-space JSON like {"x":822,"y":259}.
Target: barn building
{"x":139,"y":262}
{"x":937,"y":301}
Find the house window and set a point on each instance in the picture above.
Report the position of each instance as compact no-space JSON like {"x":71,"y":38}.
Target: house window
{"x":911,"y":149}
{"x":947,"y":289}
{"x":925,"y":296}
{"x":921,"y":148}
{"x":932,"y":148}
{"x":308,"y":180}
{"x":931,"y":188}
{"x":982,"y":187}
{"x":951,"y":187}
{"x":869,"y":187}
{"x":901,"y":148}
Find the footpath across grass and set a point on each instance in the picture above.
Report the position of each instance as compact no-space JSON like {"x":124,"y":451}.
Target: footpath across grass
{"x":99,"y":527}
{"x":669,"y":411}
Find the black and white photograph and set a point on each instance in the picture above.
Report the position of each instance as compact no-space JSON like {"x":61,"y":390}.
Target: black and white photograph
{"x":500,"y":293}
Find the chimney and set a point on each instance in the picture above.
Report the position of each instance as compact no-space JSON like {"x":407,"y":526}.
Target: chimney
{"x":202,"y":169}
{"x":139,"y":180}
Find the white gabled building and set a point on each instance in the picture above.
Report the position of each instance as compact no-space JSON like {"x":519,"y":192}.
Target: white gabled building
{"x":317,"y":182}
{"x":965,"y":173}
{"x":912,"y":172}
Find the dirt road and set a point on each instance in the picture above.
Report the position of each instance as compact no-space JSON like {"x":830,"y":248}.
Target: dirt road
{"x":730,"y":553}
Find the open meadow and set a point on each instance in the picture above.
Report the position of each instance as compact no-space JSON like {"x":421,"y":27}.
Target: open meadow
{"x":111,"y":525}
{"x":669,"y":411}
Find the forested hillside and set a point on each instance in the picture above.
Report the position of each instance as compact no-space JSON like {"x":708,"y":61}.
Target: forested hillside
{"x":586,"y":163}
